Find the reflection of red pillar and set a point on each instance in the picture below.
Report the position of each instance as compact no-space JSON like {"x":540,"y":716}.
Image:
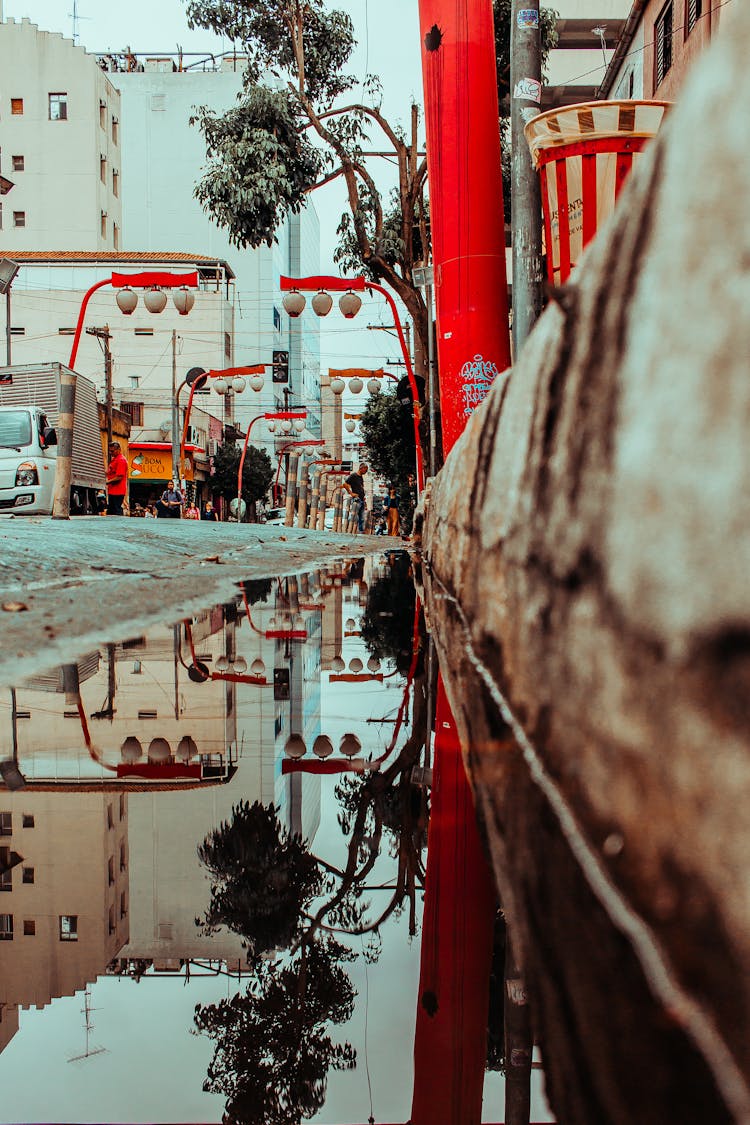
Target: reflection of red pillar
{"x":466,"y":211}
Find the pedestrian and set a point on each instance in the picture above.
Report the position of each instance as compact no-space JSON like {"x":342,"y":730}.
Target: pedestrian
{"x":170,"y":502}
{"x":101,"y":503}
{"x":191,"y":512}
{"x":209,"y":513}
{"x":391,"y":505}
{"x":151,"y":512}
{"x":117,"y":480}
{"x":355,"y":486}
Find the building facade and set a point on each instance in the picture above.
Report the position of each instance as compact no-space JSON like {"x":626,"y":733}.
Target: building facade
{"x":59,"y":144}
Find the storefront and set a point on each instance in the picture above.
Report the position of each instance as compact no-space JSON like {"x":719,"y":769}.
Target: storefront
{"x":150,"y":465}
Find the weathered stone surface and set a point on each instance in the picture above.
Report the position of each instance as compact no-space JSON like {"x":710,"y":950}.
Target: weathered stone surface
{"x":587,"y":551}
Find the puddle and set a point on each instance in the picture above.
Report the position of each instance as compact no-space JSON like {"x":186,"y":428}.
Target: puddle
{"x":213,"y":843}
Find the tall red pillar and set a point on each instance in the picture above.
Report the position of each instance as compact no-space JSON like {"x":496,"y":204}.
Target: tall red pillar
{"x":468,"y":235}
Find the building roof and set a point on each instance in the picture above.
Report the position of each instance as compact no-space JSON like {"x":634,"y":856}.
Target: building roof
{"x":121,"y":257}
{"x":622,"y":48}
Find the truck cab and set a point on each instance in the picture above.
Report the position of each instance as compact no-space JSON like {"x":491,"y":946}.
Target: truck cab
{"x":27,"y":461}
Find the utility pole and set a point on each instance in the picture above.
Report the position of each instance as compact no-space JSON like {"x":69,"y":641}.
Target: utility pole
{"x":526,"y":203}
{"x":175,"y":416}
{"x":105,"y":335}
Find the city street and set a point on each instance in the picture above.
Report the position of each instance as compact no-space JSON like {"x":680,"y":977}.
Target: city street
{"x":64,"y":583}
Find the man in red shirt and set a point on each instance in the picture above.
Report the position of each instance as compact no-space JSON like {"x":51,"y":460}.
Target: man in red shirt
{"x":117,"y":480}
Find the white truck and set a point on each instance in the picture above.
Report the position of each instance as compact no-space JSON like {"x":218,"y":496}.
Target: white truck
{"x":29,"y":407}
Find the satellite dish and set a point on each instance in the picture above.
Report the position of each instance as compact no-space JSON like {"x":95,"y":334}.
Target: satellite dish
{"x":165,"y":427}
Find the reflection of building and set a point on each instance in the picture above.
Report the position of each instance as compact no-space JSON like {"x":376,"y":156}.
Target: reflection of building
{"x":8,"y":1023}
{"x":64,"y":909}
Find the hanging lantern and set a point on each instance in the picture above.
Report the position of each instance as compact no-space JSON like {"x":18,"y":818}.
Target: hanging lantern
{"x":295,"y":746}
{"x":373,"y":665}
{"x":356,"y":385}
{"x":337,"y":664}
{"x":322,"y":746}
{"x":356,"y":665}
{"x":256,"y":382}
{"x":350,"y":304}
{"x":286,"y":425}
{"x":238,"y":385}
{"x":186,"y":748}
{"x":272,"y":427}
{"x":258,"y":668}
{"x":350,"y":425}
{"x":183,"y":300}
{"x":239,"y":665}
{"x":159,"y":751}
{"x":299,"y":424}
{"x":131,"y":750}
{"x":221,"y":386}
{"x":322,"y":303}
{"x":373,"y":386}
{"x":294,"y":303}
{"x":127,"y":299}
{"x":272,"y":623}
{"x":350,"y":746}
{"x":155,"y":299}
{"x":337,"y":385}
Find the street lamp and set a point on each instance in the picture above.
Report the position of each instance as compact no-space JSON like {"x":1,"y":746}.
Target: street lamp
{"x":350,"y":304}
{"x":8,"y":271}
{"x":227,"y":380}
{"x":274,"y":416}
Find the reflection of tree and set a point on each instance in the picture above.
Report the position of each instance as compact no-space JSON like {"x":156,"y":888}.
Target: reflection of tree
{"x":272,"y":1054}
{"x":495,"y":1022}
{"x":387,"y":628}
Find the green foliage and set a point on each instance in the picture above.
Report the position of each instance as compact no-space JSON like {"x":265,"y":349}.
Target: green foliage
{"x":257,"y":472}
{"x":260,"y":165}
{"x":388,"y":434}
{"x":272,"y":1048}
{"x":389,"y":245}
{"x":548,"y":18}
{"x":262,"y":878}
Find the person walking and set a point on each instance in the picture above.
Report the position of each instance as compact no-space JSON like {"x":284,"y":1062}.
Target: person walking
{"x":117,"y":480}
{"x":170,"y":502}
{"x":209,"y":513}
{"x":391,"y":504}
{"x":355,"y":486}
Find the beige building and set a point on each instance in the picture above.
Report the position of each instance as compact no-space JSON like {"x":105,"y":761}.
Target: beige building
{"x":59,"y":144}
{"x":64,"y":909}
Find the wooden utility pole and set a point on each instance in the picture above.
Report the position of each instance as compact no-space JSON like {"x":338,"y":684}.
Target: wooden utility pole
{"x":105,"y":335}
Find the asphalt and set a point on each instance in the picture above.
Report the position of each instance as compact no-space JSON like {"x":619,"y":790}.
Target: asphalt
{"x":66,"y":585}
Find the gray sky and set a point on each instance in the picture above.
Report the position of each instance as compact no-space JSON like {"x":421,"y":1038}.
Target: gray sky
{"x":388,"y":45}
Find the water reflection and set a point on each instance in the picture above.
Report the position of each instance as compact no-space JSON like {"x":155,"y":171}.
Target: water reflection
{"x":163,"y":816}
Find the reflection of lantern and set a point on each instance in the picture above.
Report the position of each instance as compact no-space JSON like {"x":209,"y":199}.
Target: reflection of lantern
{"x":295,"y":746}
{"x":337,"y":664}
{"x":159,"y":751}
{"x":256,"y":382}
{"x":584,"y":154}
{"x":131,"y":750}
{"x":258,"y":668}
{"x":322,"y":746}
{"x":356,"y":665}
{"x":373,"y":665}
{"x":350,"y":745}
{"x":221,"y":664}
{"x":240,"y":665}
{"x":350,"y":624}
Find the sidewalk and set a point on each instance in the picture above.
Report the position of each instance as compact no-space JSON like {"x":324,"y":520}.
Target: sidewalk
{"x":87,"y":579}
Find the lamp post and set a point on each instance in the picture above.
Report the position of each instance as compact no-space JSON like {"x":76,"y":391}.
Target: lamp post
{"x":350,"y":304}
{"x":8,"y":271}
{"x":224,"y":379}
{"x":276,"y":416}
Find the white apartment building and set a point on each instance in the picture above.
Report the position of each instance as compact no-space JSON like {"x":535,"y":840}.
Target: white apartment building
{"x":59,"y":145}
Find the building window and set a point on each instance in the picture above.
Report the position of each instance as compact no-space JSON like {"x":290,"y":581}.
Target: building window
{"x":18,"y":163}
{"x":6,"y":824}
{"x":68,"y":927}
{"x":104,"y":224}
{"x":19,"y":332}
{"x":663,"y":43}
{"x":135,"y":382}
{"x":694,"y":13}
{"x":123,"y":864}
{"x":111,"y":870}
{"x":148,"y":715}
{"x":122,"y":805}
{"x":134,"y":410}
{"x":143,"y":331}
{"x":66,"y":331}
{"x":110,"y":817}
{"x":28,"y":820}
{"x":115,"y":130}
{"x":28,"y":874}
{"x":19,"y":218}
{"x":6,"y":880}
{"x":6,"y":927}
{"x":115,"y":182}
{"x":123,"y":905}
{"x":1,"y":216}
{"x":631,"y":84}
{"x":115,"y":236}
{"x":111,"y":919}
{"x":276,"y":319}
{"x":103,"y":114}
{"x":103,"y":169}
{"x":227,"y":346}
{"x":16,"y":106}
{"x":29,"y":927}
{"x":58,"y":107}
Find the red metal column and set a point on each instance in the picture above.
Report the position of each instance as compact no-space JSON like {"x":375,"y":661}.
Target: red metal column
{"x":466,"y":211}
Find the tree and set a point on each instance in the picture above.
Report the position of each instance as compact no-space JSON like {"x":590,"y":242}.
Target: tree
{"x":388,"y":436}
{"x":257,"y":473}
{"x":272,"y":1048}
{"x":263,"y":163}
